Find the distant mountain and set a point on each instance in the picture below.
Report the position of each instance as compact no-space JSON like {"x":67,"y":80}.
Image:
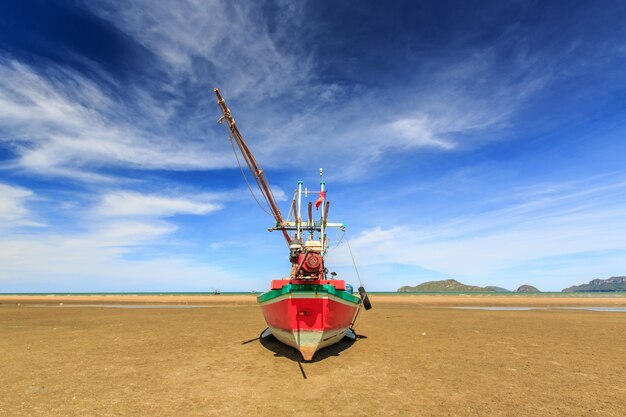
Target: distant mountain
{"x":527,"y":288}
{"x":496,"y":289}
{"x":449,"y":285}
{"x":612,"y":284}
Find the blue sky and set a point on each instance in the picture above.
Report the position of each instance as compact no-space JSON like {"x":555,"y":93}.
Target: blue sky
{"x":483,"y":142}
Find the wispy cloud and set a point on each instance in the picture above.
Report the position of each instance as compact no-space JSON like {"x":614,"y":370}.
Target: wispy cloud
{"x":13,"y":210}
{"x":98,"y":262}
{"x":437,"y":96}
{"x":562,"y":222}
{"x":61,"y":123}
{"x":98,"y":249}
{"x":420,"y":132}
{"x":467,"y":96}
{"x":449,"y":105}
{"x":125,"y":203}
{"x":463,"y":103}
{"x":123,"y":218}
{"x":234,"y":39}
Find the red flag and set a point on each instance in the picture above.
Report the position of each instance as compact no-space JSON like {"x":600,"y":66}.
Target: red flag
{"x":320,"y":199}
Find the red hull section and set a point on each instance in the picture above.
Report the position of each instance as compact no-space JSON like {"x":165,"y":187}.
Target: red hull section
{"x":310,"y":320}
{"x":298,"y":313}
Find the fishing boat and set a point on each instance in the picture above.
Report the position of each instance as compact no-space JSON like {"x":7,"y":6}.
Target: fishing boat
{"x":310,"y":308}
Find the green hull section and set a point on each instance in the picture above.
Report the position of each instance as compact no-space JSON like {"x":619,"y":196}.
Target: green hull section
{"x":308,"y":288}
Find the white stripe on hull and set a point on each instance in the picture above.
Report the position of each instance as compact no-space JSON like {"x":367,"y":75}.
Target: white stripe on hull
{"x":309,"y":341}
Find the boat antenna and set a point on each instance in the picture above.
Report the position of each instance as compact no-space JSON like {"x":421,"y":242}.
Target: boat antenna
{"x":253,"y":165}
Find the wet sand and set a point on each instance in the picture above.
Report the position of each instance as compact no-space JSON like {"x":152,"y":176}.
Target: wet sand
{"x":415,"y":357}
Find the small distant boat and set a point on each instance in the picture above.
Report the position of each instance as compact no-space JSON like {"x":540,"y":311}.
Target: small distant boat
{"x":308,"y":309}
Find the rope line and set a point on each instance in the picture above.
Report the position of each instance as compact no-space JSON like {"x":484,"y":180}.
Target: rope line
{"x":340,"y":239}
{"x":291,"y":206}
{"x":353,"y":261}
{"x":230,"y":139}
{"x":358,"y":313}
{"x":259,"y":176}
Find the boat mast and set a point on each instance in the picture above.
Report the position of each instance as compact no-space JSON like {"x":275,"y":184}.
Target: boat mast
{"x":322,"y":214}
{"x":299,"y":214}
{"x":253,"y":165}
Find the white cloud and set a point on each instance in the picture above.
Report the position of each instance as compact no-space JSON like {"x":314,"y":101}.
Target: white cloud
{"x":462,"y":104}
{"x":233,"y":38}
{"x":124,"y":218}
{"x":252,"y":59}
{"x":61,"y":123}
{"x":123,"y":233}
{"x":467,"y":98}
{"x":551,"y":224}
{"x":117,"y":244}
{"x":97,"y":262}
{"x":125,"y":203}
{"x":13,"y":211}
{"x":420,"y":132}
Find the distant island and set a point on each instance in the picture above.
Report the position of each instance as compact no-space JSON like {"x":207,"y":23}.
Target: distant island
{"x":496,"y":289}
{"x":446,"y":285}
{"x":613,"y":284}
{"x":527,"y":288}
{"x":452,"y":285}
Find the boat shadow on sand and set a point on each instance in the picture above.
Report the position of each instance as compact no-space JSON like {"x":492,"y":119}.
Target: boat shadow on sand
{"x":281,"y":350}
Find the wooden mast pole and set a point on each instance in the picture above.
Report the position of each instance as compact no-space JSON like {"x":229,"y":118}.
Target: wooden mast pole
{"x":253,"y":165}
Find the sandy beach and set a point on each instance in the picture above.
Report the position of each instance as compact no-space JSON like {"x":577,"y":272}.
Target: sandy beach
{"x":416,"y":356}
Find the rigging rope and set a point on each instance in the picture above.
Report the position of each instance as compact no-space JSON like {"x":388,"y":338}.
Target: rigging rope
{"x":353,"y":261}
{"x":338,"y":241}
{"x":251,"y":162}
{"x":230,"y":139}
{"x":292,"y":205}
{"x":358,"y":313}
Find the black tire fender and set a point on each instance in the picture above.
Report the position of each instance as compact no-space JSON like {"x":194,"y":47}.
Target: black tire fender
{"x":364,"y":298}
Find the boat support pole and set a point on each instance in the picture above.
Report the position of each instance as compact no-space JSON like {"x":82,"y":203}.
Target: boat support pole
{"x":310,"y":223}
{"x":299,"y":217}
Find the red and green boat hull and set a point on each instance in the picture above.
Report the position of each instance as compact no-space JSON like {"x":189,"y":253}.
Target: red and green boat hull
{"x":309,"y":316}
